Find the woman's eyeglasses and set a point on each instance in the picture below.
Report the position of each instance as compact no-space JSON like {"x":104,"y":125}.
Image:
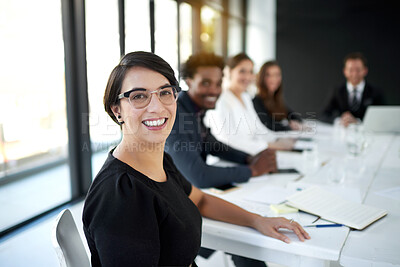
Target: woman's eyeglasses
{"x":140,"y":97}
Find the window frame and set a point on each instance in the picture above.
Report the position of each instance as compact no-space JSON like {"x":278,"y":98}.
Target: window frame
{"x":74,"y":36}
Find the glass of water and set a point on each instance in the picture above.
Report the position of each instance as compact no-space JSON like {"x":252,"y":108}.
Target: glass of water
{"x":355,"y":139}
{"x":337,"y":171}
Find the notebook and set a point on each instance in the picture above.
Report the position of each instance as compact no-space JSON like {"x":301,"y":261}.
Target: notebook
{"x":382,"y":119}
{"x":333,"y":208}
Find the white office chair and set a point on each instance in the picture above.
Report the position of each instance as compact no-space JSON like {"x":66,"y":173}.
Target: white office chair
{"x":67,"y":242}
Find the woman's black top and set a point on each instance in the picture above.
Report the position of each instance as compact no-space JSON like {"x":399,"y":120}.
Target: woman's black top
{"x":269,"y":120}
{"x":131,"y":220}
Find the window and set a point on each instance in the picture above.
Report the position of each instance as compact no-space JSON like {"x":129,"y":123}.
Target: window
{"x":33,"y":121}
{"x":34,"y":170}
{"x":137,"y":26}
{"x":235,"y":27}
{"x":211,"y":30}
{"x":235,"y":8}
{"x":166,"y":32}
{"x":186,"y":39}
{"x":235,"y":36}
{"x":103,"y":54}
{"x":185,"y":31}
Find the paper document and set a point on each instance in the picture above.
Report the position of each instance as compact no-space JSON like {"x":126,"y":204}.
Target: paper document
{"x":334,"y":208}
{"x":270,"y":194}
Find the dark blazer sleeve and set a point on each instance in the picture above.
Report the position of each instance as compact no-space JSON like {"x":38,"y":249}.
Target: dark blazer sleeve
{"x":294,"y":116}
{"x":265,"y":116}
{"x":190,"y":163}
{"x":262,"y":112}
{"x":224,"y":151}
{"x":185,"y":146}
{"x":371,"y":96}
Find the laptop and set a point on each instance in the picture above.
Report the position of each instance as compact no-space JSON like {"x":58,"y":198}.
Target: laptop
{"x":382,"y":119}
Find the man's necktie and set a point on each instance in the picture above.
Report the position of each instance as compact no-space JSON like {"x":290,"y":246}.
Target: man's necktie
{"x":354,"y":101}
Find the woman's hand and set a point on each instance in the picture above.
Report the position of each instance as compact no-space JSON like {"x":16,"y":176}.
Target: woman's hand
{"x":295,"y":125}
{"x":282,"y":144}
{"x":221,"y":210}
{"x":270,"y":226}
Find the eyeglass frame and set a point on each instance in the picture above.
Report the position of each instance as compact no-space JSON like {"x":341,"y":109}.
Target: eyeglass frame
{"x":127,"y":93}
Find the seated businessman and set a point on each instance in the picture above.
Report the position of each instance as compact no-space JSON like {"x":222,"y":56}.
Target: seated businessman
{"x":350,"y":101}
{"x":190,"y":141}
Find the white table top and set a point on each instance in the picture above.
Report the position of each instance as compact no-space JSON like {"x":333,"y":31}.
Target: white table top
{"x":325,"y":243}
{"x":379,"y":244}
{"x":364,"y":181}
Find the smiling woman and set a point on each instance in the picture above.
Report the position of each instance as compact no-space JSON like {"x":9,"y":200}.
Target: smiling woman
{"x":140,"y":210}
{"x":138,"y":204}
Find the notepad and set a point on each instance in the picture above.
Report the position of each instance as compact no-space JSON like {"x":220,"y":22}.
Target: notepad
{"x":282,"y":209}
{"x":333,"y":208}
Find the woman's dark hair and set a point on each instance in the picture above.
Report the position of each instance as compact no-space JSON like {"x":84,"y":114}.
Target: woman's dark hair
{"x":235,"y":60}
{"x":135,"y":59}
{"x":274,"y":103}
{"x":201,"y":59}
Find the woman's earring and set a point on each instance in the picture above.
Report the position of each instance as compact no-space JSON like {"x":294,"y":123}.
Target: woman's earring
{"x":120,"y":122}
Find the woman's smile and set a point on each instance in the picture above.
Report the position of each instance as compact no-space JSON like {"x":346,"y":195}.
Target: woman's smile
{"x":155,"y":124}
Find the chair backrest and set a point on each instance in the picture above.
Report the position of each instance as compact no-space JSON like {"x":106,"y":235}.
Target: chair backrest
{"x":67,"y":242}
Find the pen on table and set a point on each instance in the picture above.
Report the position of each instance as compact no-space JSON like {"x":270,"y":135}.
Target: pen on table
{"x":298,"y":178}
{"x":324,"y":163}
{"x":324,"y":225}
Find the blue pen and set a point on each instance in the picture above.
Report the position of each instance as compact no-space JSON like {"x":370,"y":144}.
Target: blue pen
{"x":324,"y":225}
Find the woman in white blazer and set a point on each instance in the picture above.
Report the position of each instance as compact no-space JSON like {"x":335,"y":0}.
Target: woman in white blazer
{"x":234,"y":120}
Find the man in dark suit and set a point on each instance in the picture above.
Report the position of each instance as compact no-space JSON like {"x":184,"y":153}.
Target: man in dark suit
{"x":190,"y":141}
{"x":350,"y":101}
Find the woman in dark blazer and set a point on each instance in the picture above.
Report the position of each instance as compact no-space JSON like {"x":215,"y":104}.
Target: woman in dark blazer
{"x":269,"y":103}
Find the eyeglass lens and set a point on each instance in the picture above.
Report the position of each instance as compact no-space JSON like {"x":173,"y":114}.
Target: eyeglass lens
{"x":142,"y":98}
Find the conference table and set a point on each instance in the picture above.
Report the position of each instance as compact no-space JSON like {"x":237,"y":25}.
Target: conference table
{"x":371,"y":178}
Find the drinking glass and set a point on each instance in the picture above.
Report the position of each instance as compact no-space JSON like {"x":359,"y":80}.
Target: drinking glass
{"x":355,"y":139}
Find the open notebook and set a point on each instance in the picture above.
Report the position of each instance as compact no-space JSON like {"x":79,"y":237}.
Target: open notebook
{"x":333,"y":208}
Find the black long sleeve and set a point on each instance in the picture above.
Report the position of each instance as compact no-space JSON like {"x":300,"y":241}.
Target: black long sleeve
{"x":267,"y":118}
